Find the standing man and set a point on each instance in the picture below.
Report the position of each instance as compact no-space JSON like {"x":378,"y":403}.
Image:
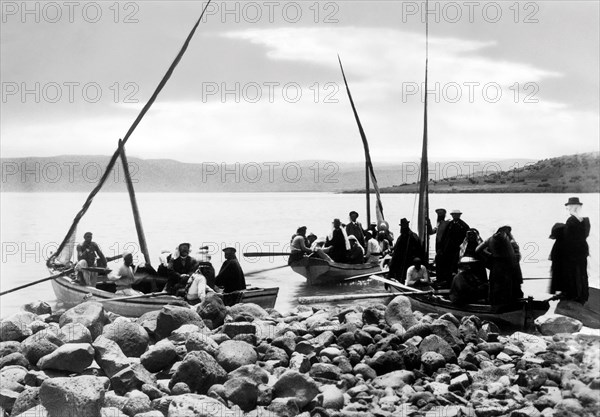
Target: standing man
{"x":569,"y":260}
{"x":354,"y":228}
{"x":335,"y":246}
{"x":231,"y":277}
{"x":87,"y":252}
{"x":407,"y":248}
{"x":373,"y":251}
{"x":451,"y":239}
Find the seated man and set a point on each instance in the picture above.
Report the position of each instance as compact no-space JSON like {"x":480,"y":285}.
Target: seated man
{"x":196,"y":288}
{"x":87,"y":251}
{"x":231,"y":277}
{"x":356,"y":254}
{"x":417,"y":275}
{"x":373,"y":250}
{"x":124,"y":278}
{"x":467,"y":286}
{"x":299,"y":245}
{"x":335,"y":245}
{"x":180,"y":268}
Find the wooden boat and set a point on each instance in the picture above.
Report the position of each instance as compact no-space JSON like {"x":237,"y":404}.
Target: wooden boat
{"x":71,"y":294}
{"x":318,"y":271}
{"x":517,"y":315}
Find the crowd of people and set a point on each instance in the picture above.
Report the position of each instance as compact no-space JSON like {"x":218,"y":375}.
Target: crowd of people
{"x":189,"y":277}
{"x":462,"y":257}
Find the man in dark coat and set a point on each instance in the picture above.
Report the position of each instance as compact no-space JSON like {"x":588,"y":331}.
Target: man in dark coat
{"x":180,"y":269}
{"x":467,"y":286}
{"x":354,"y":228}
{"x":407,"y":248}
{"x":448,"y":252}
{"x":231,"y":277}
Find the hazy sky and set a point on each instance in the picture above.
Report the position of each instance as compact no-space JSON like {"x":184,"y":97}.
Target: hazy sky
{"x":261,"y":82}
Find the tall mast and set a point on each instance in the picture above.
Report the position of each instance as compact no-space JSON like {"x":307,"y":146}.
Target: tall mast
{"x":423,"y":212}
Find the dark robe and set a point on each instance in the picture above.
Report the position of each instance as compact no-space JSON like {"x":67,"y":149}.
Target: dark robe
{"x":209,"y":273}
{"x":468,"y":288}
{"x":338,"y":246}
{"x":448,"y":251}
{"x":231,"y":276}
{"x":406,"y":249}
{"x":569,"y":260}
{"x":505,"y":272}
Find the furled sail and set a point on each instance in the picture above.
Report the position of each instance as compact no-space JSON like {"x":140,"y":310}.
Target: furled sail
{"x":423,"y":206}
{"x":369,"y":164}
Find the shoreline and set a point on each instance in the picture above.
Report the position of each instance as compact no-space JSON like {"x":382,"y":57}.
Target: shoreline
{"x":365,"y":361}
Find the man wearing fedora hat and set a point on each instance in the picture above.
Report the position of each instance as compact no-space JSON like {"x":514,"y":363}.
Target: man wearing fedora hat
{"x":569,"y":254}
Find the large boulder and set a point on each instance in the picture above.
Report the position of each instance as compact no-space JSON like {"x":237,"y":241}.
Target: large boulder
{"x":212,"y":311}
{"x":109,"y":356}
{"x":199,"y":371}
{"x":74,"y":333}
{"x":252,"y":372}
{"x":160,"y":356}
{"x":399,"y":311}
{"x":172,"y":317}
{"x":131,"y":378}
{"x":242,"y":392}
{"x":131,"y":337}
{"x":386,"y":362}
{"x":551,"y":324}
{"x":15,"y":358}
{"x":72,"y":357}
{"x":200,"y":341}
{"x":38,"y":307}
{"x":194,"y":405}
{"x":148,"y":321}
{"x":248,"y":309}
{"x":16,"y":326}
{"x":28,"y":398}
{"x":394,"y":379}
{"x":6,"y":348}
{"x":39,"y":345}
{"x":12,"y":374}
{"x":296,"y":385}
{"x":80,"y":396}
{"x":232,"y":354}
{"x":90,"y":313}
{"x":434,"y":343}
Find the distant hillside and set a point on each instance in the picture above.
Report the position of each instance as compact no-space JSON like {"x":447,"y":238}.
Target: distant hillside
{"x":80,"y":173}
{"x":565,"y":174}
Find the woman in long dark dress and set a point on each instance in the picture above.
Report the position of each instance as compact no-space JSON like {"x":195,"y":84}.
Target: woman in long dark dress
{"x":569,"y":259}
{"x":505,"y":272}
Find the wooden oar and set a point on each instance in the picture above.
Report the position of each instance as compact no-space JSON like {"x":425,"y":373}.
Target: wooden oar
{"x":63,"y":273}
{"x":262,"y":254}
{"x":265,"y":270}
{"x":364,"y":276}
{"x":133,"y":297}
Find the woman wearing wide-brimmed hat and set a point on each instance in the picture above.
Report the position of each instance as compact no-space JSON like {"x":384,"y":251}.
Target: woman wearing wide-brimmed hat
{"x":569,"y":254}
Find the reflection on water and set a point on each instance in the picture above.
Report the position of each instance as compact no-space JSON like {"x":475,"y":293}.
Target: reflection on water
{"x":33,"y":224}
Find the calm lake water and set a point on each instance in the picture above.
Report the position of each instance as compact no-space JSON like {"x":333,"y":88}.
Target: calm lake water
{"x":32,"y":225}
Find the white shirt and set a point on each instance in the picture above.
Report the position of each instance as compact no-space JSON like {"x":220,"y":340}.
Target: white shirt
{"x":373,"y":247}
{"x":414,"y":275}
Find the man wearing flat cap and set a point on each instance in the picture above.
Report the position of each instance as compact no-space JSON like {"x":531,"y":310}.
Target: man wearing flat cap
{"x":231,"y":277}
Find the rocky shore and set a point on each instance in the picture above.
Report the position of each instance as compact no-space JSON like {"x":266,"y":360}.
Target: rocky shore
{"x":213,"y":360}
